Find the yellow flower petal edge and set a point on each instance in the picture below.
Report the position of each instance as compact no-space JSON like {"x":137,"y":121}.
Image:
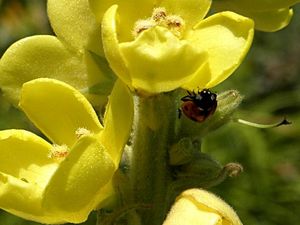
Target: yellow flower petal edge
{"x":269,"y":16}
{"x":185,"y":212}
{"x":220,"y":34}
{"x":191,"y":10}
{"x":40,"y":56}
{"x":111,"y":45}
{"x":24,"y":200}
{"x":72,"y":190}
{"x":270,"y":21}
{"x":255,"y":5}
{"x":58,"y":110}
{"x":16,"y":150}
{"x":118,"y":120}
{"x":197,"y":206}
{"x":75,"y":24}
{"x":153,"y":60}
{"x":128,"y":12}
{"x":25,"y":170}
{"x":200,"y":79}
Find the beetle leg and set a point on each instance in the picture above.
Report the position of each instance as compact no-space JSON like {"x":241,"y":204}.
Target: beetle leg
{"x":187,"y":98}
{"x":179,"y":113}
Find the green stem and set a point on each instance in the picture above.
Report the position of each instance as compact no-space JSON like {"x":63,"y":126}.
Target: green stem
{"x":150,"y":173}
{"x":146,"y":182}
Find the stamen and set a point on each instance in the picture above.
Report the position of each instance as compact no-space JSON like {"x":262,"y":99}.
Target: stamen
{"x":81,"y":131}
{"x":160,"y":17}
{"x":174,"y":21}
{"x":159,"y":14}
{"x":175,"y":24}
{"x":58,"y":152}
{"x":142,"y":25}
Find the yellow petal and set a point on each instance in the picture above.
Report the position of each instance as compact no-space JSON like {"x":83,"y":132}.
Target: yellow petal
{"x":206,"y":199}
{"x":270,"y":21}
{"x":269,"y":16}
{"x":43,"y":56}
{"x":75,"y":24}
{"x":226,"y":37}
{"x":117,"y":121}
{"x":185,"y":212}
{"x":128,"y":13}
{"x":200,"y":207}
{"x":199,"y":80}
{"x":111,"y":45}
{"x":191,"y":11}
{"x":58,"y":110}
{"x":25,"y":170}
{"x":158,"y":61}
{"x":24,"y":155}
{"x":72,"y":192}
{"x":253,"y":5}
{"x":24,"y":200}
{"x":107,"y":197}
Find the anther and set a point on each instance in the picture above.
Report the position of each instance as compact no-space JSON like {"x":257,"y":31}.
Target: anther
{"x":58,"y":152}
{"x":159,"y":14}
{"x":142,"y":25}
{"x":81,"y":131}
{"x":174,"y":21}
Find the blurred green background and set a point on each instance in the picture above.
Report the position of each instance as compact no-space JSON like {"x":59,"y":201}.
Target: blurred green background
{"x":268,"y":192}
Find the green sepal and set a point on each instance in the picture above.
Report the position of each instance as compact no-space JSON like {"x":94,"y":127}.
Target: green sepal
{"x":105,"y":86}
{"x":202,"y":168}
{"x":181,"y":152}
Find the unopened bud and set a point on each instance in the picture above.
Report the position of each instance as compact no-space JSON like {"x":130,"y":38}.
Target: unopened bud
{"x":203,"y":168}
{"x":181,"y":152}
{"x":228,"y":102}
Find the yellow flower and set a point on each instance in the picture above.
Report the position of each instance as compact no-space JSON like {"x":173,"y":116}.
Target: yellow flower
{"x":268,"y":15}
{"x":157,"y":47}
{"x":200,"y":207}
{"x":73,"y":55}
{"x":63,"y":181}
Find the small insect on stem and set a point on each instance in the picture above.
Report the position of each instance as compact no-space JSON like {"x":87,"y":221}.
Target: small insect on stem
{"x":199,"y":106}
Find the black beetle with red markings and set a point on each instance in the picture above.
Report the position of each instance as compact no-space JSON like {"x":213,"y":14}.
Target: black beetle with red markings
{"x":199,"y":106}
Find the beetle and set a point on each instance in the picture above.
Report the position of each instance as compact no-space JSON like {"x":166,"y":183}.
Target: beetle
{"x":199,"y":106}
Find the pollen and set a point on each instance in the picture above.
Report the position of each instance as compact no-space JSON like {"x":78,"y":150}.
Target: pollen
{"x":81,"y":131}
{"x":58,"y":152}
{"x":142,"y":25}
{"x":160,"y":17}
{"x":159,"y":14}
{"x":175,"y":23}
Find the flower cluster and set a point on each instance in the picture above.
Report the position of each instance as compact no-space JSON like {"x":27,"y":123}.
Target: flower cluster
{"x":162,"y":46}
{"x":63,"y":181}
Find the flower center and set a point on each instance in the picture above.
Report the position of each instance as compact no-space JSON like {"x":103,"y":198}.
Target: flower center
{"x":160,"y":17}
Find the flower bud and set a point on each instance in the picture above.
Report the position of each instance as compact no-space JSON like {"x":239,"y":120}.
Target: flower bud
{"x":181,"y":152}
{"x":202,"y":167}
{"x":228,"y":102}
{"x":200,"y":207}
